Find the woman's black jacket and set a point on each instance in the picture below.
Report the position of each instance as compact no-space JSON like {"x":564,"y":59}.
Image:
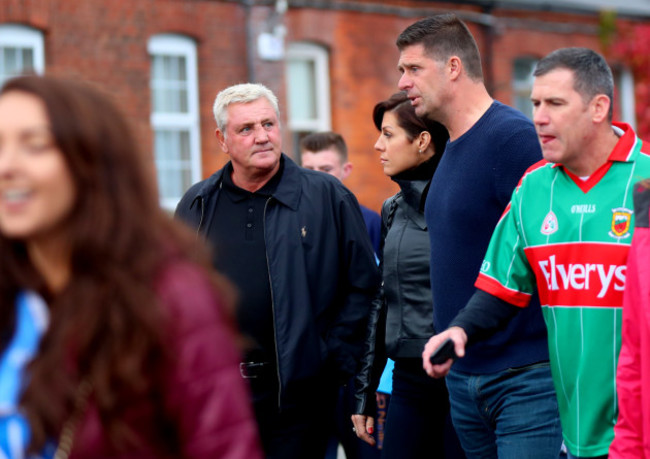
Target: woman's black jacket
{"x":401,"y":321}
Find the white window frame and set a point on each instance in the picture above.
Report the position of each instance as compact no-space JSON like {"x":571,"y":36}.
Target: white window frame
{"x":521,"y":87}
{"x":320,"y":57}
{"x":179,"y":45}
{"x":627,"y":105}
{"x":20,"y":36}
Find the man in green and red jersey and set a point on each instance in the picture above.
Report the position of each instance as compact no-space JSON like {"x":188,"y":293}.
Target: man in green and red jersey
{"x":566,"y":233}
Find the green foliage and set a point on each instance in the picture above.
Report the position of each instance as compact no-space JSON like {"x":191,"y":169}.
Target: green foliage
{"x":607,"y":28}
{"x":633,"y":48}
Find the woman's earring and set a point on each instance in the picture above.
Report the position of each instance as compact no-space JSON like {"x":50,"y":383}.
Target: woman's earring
{"x":420,"y":151}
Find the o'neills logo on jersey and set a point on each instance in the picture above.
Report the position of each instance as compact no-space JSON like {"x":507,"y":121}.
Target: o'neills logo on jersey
{"x":549,"y":225}
{"x":580,"y":274}
{"x":621,"y":219}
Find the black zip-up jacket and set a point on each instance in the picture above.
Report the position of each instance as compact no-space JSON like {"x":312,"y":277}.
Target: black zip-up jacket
{"x":401,"y":321}
{"x":322,"y":270}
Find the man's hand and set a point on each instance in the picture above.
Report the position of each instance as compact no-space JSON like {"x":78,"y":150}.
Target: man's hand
{"x":458,"y":336}
{"x":364,"y":426}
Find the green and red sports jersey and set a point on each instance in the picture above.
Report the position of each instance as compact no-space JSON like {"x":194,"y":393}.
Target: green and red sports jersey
{"x":569,"y":239}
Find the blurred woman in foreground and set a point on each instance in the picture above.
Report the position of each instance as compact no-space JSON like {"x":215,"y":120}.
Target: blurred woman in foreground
{"x":114,"y":340}
{"x":417,"y":422}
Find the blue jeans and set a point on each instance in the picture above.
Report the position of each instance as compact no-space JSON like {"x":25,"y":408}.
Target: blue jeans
{"x":511,"y":414}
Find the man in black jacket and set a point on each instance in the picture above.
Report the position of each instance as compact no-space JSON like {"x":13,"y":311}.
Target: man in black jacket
{"x":294,"y":243}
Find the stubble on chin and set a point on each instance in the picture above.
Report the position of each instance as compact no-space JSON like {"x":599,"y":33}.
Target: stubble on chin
{"x":420,"y":110}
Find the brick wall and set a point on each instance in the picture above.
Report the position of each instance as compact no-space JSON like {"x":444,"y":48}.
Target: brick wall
{"x":363,"y":59}
{"x":105,"y":41}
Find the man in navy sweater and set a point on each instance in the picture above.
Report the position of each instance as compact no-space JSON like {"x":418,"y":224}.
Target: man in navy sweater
{"x":501,"y":394}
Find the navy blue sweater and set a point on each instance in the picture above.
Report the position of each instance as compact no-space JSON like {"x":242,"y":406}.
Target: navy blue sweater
{"x":469,"y":192}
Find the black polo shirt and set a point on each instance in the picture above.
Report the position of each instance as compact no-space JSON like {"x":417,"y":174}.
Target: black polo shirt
{"x":237,"y":234}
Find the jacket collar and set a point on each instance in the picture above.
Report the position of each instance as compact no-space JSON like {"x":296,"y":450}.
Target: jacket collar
{"x":287,"y":192}
{"x":414,"y":183}
{"x":414,"y":192}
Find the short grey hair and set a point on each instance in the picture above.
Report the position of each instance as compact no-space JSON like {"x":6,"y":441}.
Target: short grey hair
{"x":591,"y":74}
{"x":241,"y":94}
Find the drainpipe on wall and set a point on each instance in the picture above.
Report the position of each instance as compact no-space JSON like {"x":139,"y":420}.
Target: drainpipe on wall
{"x":267,"y":45}
{"x":488,"y":53}
{"x":250,"y":40}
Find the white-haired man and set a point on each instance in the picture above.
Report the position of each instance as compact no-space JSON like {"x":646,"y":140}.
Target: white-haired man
{"x":295,"y":244}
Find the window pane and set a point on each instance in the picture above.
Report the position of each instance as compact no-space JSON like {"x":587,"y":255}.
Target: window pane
{"x":524,"y":105}
{"x":184,"y":146}
{"x":156,"y":67}
{"x":182,"y":101}
{"x":162,"y":148}
{"x":523,"y":69}
{"x":15,"y":61}
{"x":302,"y":90}
{"x":167,"y":183}
{"x":157,"y":101}
{"x":169,"y":84}
{"x":28,"y":60}
{"x":522,"y":84}
{"x":170,"y":101}
{"x":168,"y":68}
{"x":186,"y":181}
{"x":173,"y":162}
{"x":182,"y":66}
{"x":10,"y":61}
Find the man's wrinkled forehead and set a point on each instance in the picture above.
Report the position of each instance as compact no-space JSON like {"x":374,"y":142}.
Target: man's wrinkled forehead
{"x":414,"y":55}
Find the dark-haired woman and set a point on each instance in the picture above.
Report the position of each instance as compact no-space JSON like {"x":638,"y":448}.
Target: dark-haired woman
{"x":114,"y":341}
{"x":417,"y":423}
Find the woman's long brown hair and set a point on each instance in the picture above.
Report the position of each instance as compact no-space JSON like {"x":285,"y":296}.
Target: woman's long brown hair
{"x":106,"y":324}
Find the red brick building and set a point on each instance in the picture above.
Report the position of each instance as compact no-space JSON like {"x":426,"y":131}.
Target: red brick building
{"x":329,"y":62}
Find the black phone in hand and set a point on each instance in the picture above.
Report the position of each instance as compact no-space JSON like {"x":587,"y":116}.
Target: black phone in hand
{"x":443,"y":353}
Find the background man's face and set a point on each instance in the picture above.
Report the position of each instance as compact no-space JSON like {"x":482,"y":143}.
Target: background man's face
{"x":328,"y":161}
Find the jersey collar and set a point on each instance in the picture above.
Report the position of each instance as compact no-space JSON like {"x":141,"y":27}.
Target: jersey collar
{"x":626,"y":150}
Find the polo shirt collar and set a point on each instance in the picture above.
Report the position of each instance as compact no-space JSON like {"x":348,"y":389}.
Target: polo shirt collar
{"x":288,"y":188}
{"x":237,"y":194}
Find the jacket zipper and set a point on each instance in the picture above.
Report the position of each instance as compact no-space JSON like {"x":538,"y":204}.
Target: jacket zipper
{"x":198,"y":229}
{"x":275,"y":332}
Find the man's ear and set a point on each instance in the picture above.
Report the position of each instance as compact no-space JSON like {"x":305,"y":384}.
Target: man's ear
{"x":221,"y":138}
{"x":600,"y":105}
{"x":347,"y":168}
{"x":454,"y":67}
